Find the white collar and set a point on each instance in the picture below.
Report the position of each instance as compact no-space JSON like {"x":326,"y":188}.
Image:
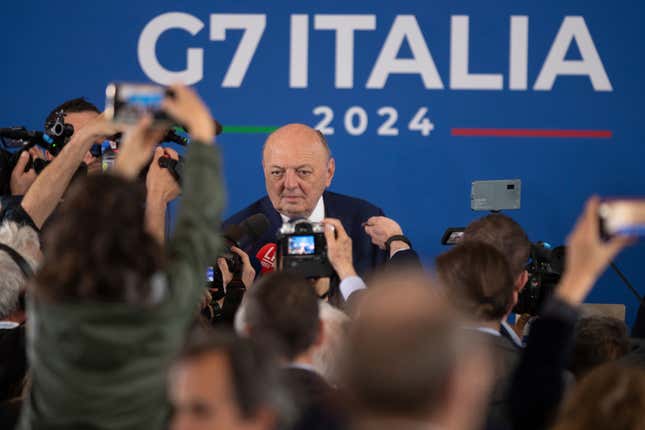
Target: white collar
{"x":8,"y":325}
{"x":308,"y":367}
{"x":514,"y":337}
{"x":317,"y":215}
{"x":486,"y":330}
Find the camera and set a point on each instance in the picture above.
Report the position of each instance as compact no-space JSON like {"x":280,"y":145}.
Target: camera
{"x":127,"y":102}
{"x":545,"y":267}
{"x":57,"y":133}
{"x":302,"y":248}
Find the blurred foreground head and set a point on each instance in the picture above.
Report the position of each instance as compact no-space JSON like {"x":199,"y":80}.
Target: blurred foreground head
{"x":610,"y":397}
{"x":97,"y":247}
{"x":408,"y":363}
{"x":224,"y":382}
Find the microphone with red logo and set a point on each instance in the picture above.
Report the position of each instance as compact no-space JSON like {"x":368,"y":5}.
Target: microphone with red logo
{"x":266,"y":256}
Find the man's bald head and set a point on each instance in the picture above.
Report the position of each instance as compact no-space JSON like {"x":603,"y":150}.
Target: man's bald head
{"x":294,"y":134}
{"x":297,"y":168}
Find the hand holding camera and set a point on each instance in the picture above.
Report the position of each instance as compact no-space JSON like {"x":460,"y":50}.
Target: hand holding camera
{"x":185,"y":106}
{"x":247,"y":273}
{"x":339,"y":248}
{"x":160,"y":184}
{"x":137,"y":146}
{"x":21,"y":177}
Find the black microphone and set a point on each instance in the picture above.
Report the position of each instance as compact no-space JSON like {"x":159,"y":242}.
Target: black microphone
{"x":248,"y":231}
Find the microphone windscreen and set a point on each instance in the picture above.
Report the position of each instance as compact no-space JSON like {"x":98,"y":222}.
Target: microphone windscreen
{"x":255,"y":226}
{"x":234,"y":233}
{"x":266,"y":256}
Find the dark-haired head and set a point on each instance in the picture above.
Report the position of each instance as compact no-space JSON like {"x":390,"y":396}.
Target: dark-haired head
{"x":77,"y":105}
{"x":282,"y":308}
{"x":97,"y":247}
{"x":477,"y":279}
{"x":506,"y":235}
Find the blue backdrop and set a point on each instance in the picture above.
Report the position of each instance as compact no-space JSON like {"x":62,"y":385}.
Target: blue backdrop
{"x":572,"y":65}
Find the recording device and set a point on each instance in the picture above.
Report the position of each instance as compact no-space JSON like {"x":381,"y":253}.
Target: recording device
{"x":57,"y":133}
{"x":452,"y":235}
{"x":302,"y":248}
{"x":241,"y":235}
{"x":622,"y":218}
{"x":496,"y":195}
{"x":267,"y":257}
{"x":545,"y":267}
{"x":127,"y":102}
{"x":19,"y":139}
{"x":175,"y":167}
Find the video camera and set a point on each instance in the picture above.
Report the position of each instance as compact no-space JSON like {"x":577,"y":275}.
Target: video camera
{"x":545,"y":267}
{"x":302,"y":248}
{"x":53,"y":139}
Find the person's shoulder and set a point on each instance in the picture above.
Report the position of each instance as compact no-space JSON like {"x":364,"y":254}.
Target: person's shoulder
{"x":258,"y":206}
{"x":355,"y":204}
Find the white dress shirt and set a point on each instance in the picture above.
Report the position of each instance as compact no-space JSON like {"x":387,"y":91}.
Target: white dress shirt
{"x":318,"y":214}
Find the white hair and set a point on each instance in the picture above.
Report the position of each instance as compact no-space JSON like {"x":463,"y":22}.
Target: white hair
{"x":24,"y":240}
{"x":326,"y":356}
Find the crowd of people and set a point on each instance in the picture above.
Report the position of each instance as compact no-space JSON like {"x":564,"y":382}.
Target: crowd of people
{"x":107,"y":322}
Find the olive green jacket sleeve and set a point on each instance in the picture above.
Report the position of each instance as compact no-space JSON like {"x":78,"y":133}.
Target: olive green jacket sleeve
{"x":98,"y":365}
{"x":196,"y":242}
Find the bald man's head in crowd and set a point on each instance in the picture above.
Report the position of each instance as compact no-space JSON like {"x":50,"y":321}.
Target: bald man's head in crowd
{"x":298,"y":167}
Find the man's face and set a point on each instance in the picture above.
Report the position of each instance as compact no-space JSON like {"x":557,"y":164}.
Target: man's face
{"x":203,"y":397}
{"x":297,"y":169}
{"x":78,"y":120}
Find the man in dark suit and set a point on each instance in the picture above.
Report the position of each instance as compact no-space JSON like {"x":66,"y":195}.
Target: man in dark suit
{"x":282,"y":309}
{"x":508,"y":237}
{"x":298,"y":168}
{"x":477,"y":279}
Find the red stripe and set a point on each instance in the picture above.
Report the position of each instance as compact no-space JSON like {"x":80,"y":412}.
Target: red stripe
{"x":524,"y":132}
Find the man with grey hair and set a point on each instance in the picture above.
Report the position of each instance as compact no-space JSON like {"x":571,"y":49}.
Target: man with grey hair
{"x":19,"y":256}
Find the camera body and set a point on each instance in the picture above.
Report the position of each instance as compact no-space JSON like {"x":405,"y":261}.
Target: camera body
{"x":545,"y":268}
{"x":302,"y":248}
{"x":57,"y":133}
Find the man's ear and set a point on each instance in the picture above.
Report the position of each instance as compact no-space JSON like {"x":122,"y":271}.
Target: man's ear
{"x":331,"y":169}
{"x":521,"y":281}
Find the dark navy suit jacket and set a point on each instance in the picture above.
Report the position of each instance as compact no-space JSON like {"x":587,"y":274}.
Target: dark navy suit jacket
{"x":352,"y":212}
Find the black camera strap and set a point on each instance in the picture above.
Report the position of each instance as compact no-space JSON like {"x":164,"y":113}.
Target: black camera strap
{"x":20,"y":261}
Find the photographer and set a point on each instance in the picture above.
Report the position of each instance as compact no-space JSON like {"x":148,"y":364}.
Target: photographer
{"x":538,"y":385}
{"x":161,"y":189}
{"x":224,"y":308}
{"x":20,"y":180}
{"x":114,"y":315}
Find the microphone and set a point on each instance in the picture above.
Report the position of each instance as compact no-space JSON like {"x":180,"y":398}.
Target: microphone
{"x":248,"y":231}
{"x":266,"y":255}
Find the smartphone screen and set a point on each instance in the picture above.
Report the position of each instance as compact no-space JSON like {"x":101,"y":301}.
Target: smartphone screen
{"x":302,"y":245}
{"x":127,"y":103}
{"x":623,"y":217}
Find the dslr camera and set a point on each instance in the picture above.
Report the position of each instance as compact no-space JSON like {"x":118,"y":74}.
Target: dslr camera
{"x":302,"y":248}
{"x":545,"y":268}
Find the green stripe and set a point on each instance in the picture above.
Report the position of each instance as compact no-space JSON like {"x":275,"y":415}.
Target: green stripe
{"x":249,"y":129}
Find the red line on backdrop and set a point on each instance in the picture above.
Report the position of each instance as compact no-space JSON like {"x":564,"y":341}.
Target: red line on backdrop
{"x":525,"y":132}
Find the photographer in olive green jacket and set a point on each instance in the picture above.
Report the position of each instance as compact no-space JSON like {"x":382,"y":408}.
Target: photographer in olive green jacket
{"x":109,"y":309}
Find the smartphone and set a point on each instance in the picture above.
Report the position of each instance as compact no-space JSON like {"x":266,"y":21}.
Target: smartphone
{"x":128,"y":102}
{"x":622,"y":217}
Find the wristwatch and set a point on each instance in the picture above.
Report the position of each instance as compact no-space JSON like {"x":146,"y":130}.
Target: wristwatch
{"x":396,"y":237}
